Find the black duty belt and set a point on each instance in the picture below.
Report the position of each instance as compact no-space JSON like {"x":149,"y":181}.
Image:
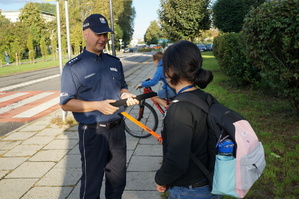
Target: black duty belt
{"x":197,"y":184}
{"x":106,"y":125}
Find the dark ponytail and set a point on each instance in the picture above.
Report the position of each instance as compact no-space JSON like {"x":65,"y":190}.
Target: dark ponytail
{"x":203,"y":78}
{"x":183,"y":61}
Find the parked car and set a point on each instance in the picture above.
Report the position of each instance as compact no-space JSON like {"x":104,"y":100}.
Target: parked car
{"x":201,"y":47}
{"x":128,"y":50}
{"x":209,"y":47}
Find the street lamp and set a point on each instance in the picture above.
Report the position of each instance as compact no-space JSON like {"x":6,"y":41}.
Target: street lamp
{"x":69,"y":50}
{"x":58,"y":34}
{"x":112,"y":28}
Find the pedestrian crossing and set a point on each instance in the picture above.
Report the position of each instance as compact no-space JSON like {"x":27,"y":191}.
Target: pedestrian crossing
{"x":25,"y":106}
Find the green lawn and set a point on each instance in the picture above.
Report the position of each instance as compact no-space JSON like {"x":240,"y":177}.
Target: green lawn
{"x":276,"y":124}
{"x":11,"y":69}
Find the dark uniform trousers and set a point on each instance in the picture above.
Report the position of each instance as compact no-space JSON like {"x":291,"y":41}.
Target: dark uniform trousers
{"x":103,"y":151}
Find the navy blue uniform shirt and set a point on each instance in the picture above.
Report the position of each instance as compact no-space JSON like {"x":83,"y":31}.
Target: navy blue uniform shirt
{"x":90,"y":77}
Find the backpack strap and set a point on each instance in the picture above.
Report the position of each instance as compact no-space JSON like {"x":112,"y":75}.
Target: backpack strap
{"x":204,"y":101}
{"x":202,"y":167}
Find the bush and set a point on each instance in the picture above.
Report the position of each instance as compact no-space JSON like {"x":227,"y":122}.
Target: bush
{"x":144,"y":50}
{"x":230,"y":52}
{"x":272,"y":36}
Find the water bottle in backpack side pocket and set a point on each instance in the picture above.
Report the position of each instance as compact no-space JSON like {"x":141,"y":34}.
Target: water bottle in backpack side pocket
{"x":226,"y":149}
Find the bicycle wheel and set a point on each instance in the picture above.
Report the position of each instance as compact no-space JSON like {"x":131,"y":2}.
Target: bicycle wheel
{"x":145,"y":114}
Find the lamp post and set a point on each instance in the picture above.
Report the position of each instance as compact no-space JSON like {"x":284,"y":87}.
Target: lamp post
{"x":69,"y":50}
{"x":112,"y":28}
{"x":59,"y":35}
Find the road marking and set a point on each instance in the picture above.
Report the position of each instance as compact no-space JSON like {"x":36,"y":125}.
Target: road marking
{"x":27,"y":106}
{"x":23,"y":102}
{"x":28,"y":83}
{"x":3,"y":99}
{"x":33,"y":111}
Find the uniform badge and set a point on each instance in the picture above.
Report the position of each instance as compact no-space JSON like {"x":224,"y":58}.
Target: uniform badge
{"x":102,"y":20}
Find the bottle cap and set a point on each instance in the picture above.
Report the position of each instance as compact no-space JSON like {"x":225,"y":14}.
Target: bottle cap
{"x":226,"y":146}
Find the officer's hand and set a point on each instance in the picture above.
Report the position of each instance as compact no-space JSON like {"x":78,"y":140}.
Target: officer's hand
{"x":130,"y":100}
{"x":106,"y":108}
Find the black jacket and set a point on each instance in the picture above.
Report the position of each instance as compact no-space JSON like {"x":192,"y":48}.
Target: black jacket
{"x":185,"y":129}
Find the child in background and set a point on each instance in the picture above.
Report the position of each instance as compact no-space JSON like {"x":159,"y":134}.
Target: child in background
{"x":166,"y":92}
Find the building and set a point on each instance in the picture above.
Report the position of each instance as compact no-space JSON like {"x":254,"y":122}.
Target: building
{"x":13,"y":16}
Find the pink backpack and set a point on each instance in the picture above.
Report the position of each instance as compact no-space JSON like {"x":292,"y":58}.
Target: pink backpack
{"x":234,"y":177}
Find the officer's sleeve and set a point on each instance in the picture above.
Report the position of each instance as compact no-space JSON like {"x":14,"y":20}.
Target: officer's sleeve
{"x":68,"y":89}
{"x":123,"y":83}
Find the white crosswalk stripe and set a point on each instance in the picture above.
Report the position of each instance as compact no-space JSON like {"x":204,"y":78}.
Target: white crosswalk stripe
{"x":3,"y":99}
{"x":31,"y":112}
{"x":23,"y":102}
{"x":26,"y":106}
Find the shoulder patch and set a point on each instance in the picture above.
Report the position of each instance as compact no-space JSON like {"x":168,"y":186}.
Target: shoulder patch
{"x":74,"y":60}
{"x":112,"y":56}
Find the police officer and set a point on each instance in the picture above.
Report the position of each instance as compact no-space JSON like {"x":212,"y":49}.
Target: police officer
{"x":89,"y":83}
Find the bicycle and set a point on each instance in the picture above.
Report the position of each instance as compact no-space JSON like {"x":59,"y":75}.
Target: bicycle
{"x":144,"y":113}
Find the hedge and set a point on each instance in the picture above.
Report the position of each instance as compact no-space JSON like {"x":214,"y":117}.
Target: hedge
{"x":266,"y":52}
{"x":271,"y":32}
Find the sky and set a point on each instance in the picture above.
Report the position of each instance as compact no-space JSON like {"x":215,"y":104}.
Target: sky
{"x":146,"y":11}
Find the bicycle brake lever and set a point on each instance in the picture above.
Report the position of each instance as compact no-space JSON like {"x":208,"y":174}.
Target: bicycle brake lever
{"x":123,"y":102}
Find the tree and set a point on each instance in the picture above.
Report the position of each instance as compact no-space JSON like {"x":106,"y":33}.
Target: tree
{"x":54,"y":46}
{"x":153,"y":33}
{"x":184,"y":19}
{"x":43,"y":48}
{"x":45,"y":7}
{"x":126,"y":21}
{"x":4,"y":44}
{"x":228,"y":15}
{"x":30,"y":48}
{"x":31,"y":17}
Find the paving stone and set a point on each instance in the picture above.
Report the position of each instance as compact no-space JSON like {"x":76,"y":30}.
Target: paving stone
{"x":50,"y":132}
{"x":31,"y":170}
{"x":61,"y":144}
{"x":3,"y":173}
{"x":76,"y":192}
{"x":141,"y":195}
{"x":38,"y":140}
{"x":32,"y":128}
{"x":48,"y":155}
{"x":48,"y":192}
{"x":69,"y":161}
{"x":6,"y":145}
{"x":2,"y":152}
{"x":74,"y":128}
{"x":145,"y":163}
{"x":19,"y":136}
{"x":132,"y":143}
{"x":11,"y":163}
{"x":15,"y":188}
{"x":68,"y":135}
{"x":23,"y":150}
{"x":148,"y":150}
{"x":140,"y":181}
{"x":129,"y":156}
{"x":61,"y":177}
{"x":75,"y":150}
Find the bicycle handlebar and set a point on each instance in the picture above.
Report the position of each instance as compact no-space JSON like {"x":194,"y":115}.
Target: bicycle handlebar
{"x":122,"y":102}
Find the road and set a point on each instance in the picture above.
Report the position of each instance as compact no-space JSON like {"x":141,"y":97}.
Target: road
{"x":32,"y":95}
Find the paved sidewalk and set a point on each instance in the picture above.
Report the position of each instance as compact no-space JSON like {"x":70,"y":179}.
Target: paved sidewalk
{"x":42,"y":160}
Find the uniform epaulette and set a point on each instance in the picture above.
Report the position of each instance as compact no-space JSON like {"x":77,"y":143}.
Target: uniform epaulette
{"x":112,"y":56}
{"x":74,"y":60}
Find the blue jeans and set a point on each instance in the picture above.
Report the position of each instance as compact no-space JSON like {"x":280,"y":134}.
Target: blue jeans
{"x":203,"y":192}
